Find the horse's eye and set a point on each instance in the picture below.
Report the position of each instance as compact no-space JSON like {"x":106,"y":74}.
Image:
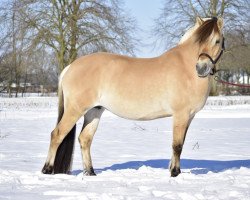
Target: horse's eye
{"x":217,"y":42}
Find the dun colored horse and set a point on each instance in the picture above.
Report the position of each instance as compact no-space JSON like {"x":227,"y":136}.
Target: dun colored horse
{"x":173,"y":84}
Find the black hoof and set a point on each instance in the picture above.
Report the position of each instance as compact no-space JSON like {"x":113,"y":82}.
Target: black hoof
{"x":89,"y":172}
{"x":47,"y":169}
{"x":175,"y":172}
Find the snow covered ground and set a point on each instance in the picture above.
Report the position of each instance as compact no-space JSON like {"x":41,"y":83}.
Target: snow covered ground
{"x":130,"y":157}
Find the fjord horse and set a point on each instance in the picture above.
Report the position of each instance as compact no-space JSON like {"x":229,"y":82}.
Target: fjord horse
{"x":174,"y":84}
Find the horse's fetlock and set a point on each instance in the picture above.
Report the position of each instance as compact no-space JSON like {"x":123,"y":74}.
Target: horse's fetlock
{"x":177,"y":148}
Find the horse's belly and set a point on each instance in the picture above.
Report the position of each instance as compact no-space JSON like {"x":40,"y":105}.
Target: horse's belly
{"x":138,"y":110}
{"x":139,"y":114}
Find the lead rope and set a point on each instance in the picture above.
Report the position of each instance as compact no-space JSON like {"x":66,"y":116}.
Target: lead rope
{"x":217,"y":79}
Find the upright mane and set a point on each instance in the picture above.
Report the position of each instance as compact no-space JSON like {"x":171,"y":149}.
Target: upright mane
{"x":206,"y":29}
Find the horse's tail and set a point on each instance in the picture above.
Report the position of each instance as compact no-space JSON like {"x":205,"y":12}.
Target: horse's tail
{"x":64,"y":152}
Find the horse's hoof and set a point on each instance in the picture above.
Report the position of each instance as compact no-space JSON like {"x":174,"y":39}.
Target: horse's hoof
{"x":89,"y":172}
{"x":175,"y":172}
{"x":47,"y":169}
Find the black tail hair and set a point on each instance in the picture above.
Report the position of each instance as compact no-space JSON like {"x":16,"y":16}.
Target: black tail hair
{"x":64,"y":152}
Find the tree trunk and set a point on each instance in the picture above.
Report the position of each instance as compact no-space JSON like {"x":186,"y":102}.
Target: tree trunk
{"x":74,"y":30}
{"x":214,"y":6}
{"x":25,"y":81}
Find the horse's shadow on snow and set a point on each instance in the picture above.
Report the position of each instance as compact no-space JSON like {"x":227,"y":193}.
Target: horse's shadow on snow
{"x":195,"y":166}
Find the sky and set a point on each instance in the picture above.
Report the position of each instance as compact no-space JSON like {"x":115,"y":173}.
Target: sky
{"x":145,"y":11}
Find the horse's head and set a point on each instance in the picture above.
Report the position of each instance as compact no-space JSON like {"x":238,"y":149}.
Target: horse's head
{"x":211,"y":41}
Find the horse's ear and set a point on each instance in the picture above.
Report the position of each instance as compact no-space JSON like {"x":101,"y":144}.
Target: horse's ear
{"x":220,"y":23}
{"x":199,"y":21}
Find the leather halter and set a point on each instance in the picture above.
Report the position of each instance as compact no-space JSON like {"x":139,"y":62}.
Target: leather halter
{"x":217,"y":58}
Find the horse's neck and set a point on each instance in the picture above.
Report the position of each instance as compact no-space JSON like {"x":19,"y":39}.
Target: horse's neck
{"x":189,"y":51}
{"x":184,"y":55}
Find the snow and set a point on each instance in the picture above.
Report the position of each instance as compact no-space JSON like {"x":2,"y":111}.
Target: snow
{"x":130,"y":157}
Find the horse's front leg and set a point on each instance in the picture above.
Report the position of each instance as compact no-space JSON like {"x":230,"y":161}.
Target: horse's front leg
{"x":180,"y":126}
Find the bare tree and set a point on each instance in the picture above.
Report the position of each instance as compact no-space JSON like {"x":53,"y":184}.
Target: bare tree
{"x":178,"y":15}
{"x":77,"y":27}
{"x":13,"y":45}
{"x":40,"y":38}
{"x":5,"y":71}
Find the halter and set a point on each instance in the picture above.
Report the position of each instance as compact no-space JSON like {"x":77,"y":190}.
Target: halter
{"x":217,"y":58}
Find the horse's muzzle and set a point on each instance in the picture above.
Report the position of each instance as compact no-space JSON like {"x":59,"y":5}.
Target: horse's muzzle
{"x":203,"y":69}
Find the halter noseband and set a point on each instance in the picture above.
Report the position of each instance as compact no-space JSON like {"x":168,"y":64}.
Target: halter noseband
{"x":217,"y":58}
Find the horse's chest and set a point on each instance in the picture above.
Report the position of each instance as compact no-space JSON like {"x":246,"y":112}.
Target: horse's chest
{"x":200,"y":94}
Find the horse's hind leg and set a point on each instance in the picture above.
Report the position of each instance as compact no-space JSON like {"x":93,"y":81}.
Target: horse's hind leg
{"x":68,"y":121}
{"x":91,"y":121}
{"x":181,"y":124}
